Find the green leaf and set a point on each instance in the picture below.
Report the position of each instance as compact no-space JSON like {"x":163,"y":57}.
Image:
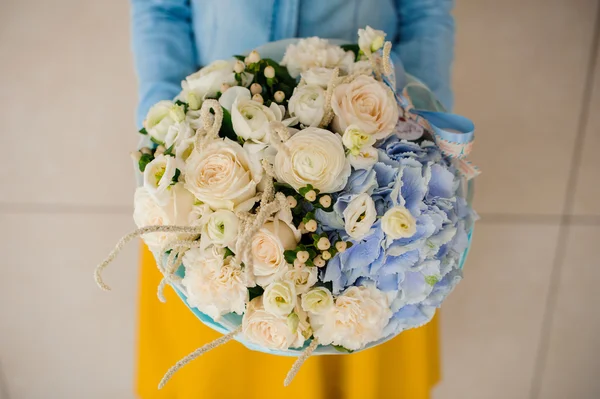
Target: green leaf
{"x":290,"y":256}
{"x":155,"y":141}
{"x":170,"y":150}
{"x":176,"y":176}
{"x":281,"y":72}
{"x":227,"y":127}
{"x":309,"y":216}
{"x":145,"y":159}
{"x":143,"y":131}
{"x":254,"y":292}
{"x":240,"y":57}
{"x":354,"y":48}
{"x":228,"y":252}
{"x":340,"y":348}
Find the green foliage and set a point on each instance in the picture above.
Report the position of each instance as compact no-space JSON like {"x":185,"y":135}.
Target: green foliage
{"x":169,"y":151}
{"x":308,"y":217}
{"x":176,"y":176}
{"x":143,"y":131}
{"x":145,"y":159}
{"x":227,"y":126}
{"x":184,"y":104}
{"x":155,"y":141}
{"x":340,"y":348}
{"x":228,"y":253}
{"x":256,"y":291}
{"x":354,"y":48}
{"x":290,"y":255}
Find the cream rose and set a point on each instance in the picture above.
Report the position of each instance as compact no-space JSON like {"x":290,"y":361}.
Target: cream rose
{"x":317,"y":301}
{"x":366,"y":103}
{"x":359,"y":216}
{"x":365,"y":159}
{"x":315,"y":52}
{"x":308,"y":104}
{"x":317,"y":76}
{"x":158,"y":177}
{"x":314,"y":156}
{"x":221,"y":228}
{"x":279,"y":298}
{"x":214,"y":285}
{"x":357,"y":318}
{"x":397,"y":223}
{"x":267,"y":247}
{"x":161,"y":117}
{"x":302,"y":276}
{"x":223,"y":175}
{"x":370,"y":40}
{"x":265,"y":329}
{"x":176,"y":211}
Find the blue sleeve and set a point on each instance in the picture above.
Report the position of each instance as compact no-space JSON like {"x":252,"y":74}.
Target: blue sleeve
{"x":163,"y":49}
{"x":425,"y":44}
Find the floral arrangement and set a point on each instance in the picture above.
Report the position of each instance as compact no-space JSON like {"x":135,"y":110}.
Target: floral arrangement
{"x":302,"y":206}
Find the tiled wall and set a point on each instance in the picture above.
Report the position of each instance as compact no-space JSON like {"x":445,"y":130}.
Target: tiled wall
{"x":524,"y":322}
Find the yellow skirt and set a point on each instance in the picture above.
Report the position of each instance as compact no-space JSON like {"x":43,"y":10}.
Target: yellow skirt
{"x":406,"y":367}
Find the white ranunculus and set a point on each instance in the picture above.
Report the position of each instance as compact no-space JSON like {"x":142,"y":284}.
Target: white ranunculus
{"x":303,"y":277}
{"x":315,"y":52}
{"x":317,"y":76}
{"x":317,"y":301}
{"x":314,"y":156}
{"x":208,"y":80}
{"x":279,"y":298}
{"x":158,"y":177}
{"x":268,"y":246}
{"x":366,"y":103}
{"x":177,"y":210}
{"x":220,"y":228}
{"x":161,"y":117}
{"x":214,"y":284}
{"x":397,"y":223}
{"x":357,"y":318}
{"x":359,"y":216}
{"x":370,"y":40}
{"x":308,"y":104}
{"x":355,"y":139}
{"x":223,"y":176}
{"x":365,"y":159}
{"x":265,"y":329}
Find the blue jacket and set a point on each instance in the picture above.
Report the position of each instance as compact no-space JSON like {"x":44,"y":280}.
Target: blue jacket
{"x":173,"y":38}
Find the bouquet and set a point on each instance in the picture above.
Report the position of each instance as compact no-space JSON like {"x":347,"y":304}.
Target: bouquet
{"x":304,"y":206}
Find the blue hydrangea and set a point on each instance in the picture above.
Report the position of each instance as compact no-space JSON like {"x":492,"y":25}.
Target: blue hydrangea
{"x":418,"y":271}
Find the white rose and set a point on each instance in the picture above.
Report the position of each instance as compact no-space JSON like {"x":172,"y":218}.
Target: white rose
{"x":370,"y":40}
{"x":355,"y":139}
{"x":302,"y":276}
{"x":357,"y":318}
{"x":268,"y":246}
{"x":221,"y":228}
{"x":279,"y":298}
{"x":359,"y":216}
{"x":308,"y":104}
{"x":317,"y":301}
{"x":315,"y":156}
{"x":265,"y":329}
{"x":317,"y":76}
{"x":161,"y":117}
{"x":208,"y":80}
{"x":365,"y":158}
{"x":214,"y":285}
{"x":147,"y":212}
{"x":315,"y":52}
{"x":366,"y":103}
{"x":250,"y":119}
{"x":397,"y":222}
{"x":224,"y":176}
{"x":158,"y":177}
